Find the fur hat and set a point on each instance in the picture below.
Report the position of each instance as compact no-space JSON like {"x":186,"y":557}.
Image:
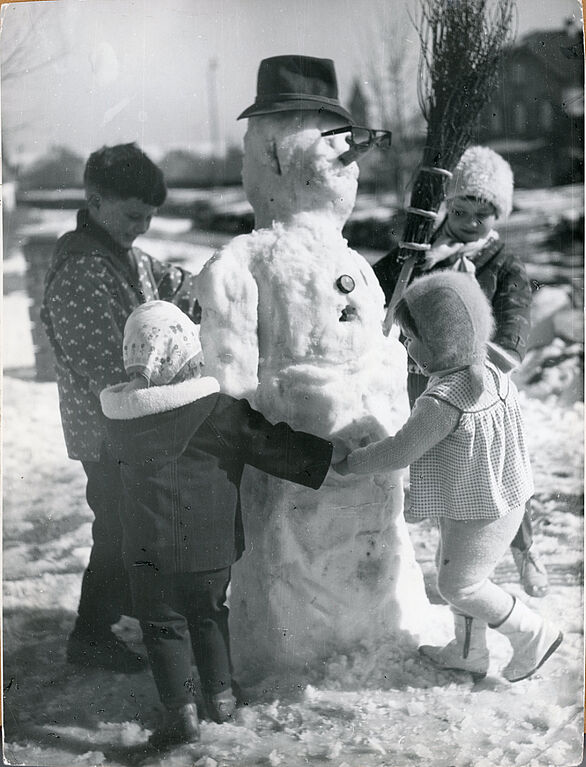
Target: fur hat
{"x":160,"y":341}
{"x":484,"y":174}
{"x":452,"y":316}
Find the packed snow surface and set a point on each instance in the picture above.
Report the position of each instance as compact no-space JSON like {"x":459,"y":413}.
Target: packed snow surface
{"x":379,"y":704}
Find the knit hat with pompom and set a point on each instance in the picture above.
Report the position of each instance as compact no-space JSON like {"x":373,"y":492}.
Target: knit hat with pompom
{"x":484,"y":174}
{"x":453,"y":318}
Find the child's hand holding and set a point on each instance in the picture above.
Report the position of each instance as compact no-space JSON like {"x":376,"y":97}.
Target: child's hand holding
{"x":341,"y":467}
{"x":339,"y":456}
{"x":340,"y":451}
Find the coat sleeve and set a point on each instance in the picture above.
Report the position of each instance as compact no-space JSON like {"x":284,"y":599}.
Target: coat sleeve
{"x":81,"y":323}
{"x":247,"y":436}
{"x":177,"y":286}
{"x":429,"y":423}
{"x":511,"y":306}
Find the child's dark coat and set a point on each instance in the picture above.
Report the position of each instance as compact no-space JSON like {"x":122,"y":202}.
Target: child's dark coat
{"x":181,"y":471}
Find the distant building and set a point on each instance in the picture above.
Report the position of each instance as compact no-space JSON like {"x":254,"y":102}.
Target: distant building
{"x":535,"y":118}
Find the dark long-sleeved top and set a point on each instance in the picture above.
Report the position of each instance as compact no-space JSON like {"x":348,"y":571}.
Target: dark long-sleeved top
{"x":91,"y":287}
{"x":503,"y":279}
{"x":181,"y":471}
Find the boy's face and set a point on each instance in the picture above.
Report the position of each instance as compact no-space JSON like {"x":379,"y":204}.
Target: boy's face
{"x":124,"y":220}
{"x":470,"y":219}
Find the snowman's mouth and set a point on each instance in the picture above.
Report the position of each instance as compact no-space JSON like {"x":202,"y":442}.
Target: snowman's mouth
{"x":348,"y":314}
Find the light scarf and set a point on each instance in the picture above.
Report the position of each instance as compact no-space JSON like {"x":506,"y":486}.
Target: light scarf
{"x":160,"y":341}
{"x":465,"y":255}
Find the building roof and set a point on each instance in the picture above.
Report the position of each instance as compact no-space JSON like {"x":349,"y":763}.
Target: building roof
{"x":561,"y":51}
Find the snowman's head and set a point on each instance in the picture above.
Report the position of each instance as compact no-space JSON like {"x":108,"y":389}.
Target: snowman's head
{"x":290,"y":168}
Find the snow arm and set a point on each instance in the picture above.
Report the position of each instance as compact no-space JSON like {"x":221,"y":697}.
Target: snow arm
{"x":228,"y":295}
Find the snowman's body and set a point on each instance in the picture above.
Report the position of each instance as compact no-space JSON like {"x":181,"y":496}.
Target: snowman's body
{"x":292,"y":319}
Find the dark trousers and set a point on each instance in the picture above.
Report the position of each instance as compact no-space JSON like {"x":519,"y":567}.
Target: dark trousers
{"x":416,"y":385}
{"x":178,"y":613}
{"x":105,"y":591}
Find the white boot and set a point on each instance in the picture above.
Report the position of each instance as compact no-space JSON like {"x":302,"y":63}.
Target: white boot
{"x":533,"y":640}
{"x":467,"y":652}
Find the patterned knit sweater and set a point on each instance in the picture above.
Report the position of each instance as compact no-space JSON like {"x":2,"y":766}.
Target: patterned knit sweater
{"x":91,"y":287}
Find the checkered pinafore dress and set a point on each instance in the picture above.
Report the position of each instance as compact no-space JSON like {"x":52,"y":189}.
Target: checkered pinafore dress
{"x":481,"y":470}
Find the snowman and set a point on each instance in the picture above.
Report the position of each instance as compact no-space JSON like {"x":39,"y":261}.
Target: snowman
{"x":292,"y":320}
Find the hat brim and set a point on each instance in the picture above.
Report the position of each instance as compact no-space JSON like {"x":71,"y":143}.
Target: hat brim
{"x":303,"y":104}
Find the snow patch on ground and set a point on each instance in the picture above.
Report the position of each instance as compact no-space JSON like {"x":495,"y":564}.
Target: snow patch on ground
{"x":379,"y":706}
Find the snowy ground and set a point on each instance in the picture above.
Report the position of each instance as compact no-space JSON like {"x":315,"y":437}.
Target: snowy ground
{"x":377,"y":706}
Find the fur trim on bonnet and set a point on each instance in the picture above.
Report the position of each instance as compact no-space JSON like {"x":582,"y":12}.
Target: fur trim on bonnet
{"x":122,"y":403}
{"x":484,"y":174}
{"x":453,"y":318}
{"x":160,"y":341}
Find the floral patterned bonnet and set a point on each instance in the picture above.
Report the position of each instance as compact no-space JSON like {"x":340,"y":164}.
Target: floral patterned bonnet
{"x":160,"y":342}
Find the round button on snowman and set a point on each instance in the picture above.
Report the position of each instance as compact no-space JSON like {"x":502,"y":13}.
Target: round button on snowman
{"x":292,"y":320}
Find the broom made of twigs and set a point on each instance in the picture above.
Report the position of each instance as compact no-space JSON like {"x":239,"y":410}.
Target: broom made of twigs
{"x":461,"y":45}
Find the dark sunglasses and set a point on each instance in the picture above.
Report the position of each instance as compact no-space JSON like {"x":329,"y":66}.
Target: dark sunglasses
{"x":363,"y":137}
{"x":360,"y":140}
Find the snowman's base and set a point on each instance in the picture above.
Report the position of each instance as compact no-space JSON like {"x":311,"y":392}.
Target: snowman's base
{"x":325,"y":571}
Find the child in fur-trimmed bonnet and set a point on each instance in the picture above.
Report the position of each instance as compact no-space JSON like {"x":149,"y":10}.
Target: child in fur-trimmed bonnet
{"x":464,"y":442}
{"x":182,"y":446}
{"x":480,"y":193}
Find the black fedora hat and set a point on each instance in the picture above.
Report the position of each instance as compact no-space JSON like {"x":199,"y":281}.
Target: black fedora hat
{"x":296,"y":83}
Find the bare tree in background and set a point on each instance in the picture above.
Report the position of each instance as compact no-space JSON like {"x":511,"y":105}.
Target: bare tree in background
{"x":29,"y":42}
{"x":391,"y":90}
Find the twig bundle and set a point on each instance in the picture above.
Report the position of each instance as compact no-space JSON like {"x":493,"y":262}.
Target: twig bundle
{"x":461,"y":45}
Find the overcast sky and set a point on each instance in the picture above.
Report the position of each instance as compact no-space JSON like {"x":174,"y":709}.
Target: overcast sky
{"x":170,"y":73}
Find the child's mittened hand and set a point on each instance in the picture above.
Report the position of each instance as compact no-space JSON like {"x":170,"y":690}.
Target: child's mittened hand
{"x":341,"y":467}
{"x":340,"y":451}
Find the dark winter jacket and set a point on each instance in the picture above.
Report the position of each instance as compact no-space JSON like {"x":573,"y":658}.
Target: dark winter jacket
{"x":91,"y":287}
{"x":181,"y":470}
{"x":504,"y":281}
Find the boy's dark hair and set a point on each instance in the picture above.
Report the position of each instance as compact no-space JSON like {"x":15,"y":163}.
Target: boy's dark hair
{"x":125,"y":171}
{"x":404,"y":318}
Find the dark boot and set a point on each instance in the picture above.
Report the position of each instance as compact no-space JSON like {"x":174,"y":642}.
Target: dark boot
{"x":221,"y":706}
{"x":179,"y":727}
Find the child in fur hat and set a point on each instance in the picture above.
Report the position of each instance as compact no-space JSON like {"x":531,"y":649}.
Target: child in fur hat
{"x":479,"y":194}
{"x":466,"y":447}
{"x":182,"y":447}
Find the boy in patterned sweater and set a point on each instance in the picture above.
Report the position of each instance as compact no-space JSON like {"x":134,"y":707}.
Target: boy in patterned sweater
{"x":95,"y":279}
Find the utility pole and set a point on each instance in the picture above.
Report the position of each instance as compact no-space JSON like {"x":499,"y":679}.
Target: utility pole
{"x":214,"y":121}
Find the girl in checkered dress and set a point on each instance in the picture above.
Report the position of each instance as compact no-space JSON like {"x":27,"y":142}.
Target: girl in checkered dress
{"x":466,"y":447}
